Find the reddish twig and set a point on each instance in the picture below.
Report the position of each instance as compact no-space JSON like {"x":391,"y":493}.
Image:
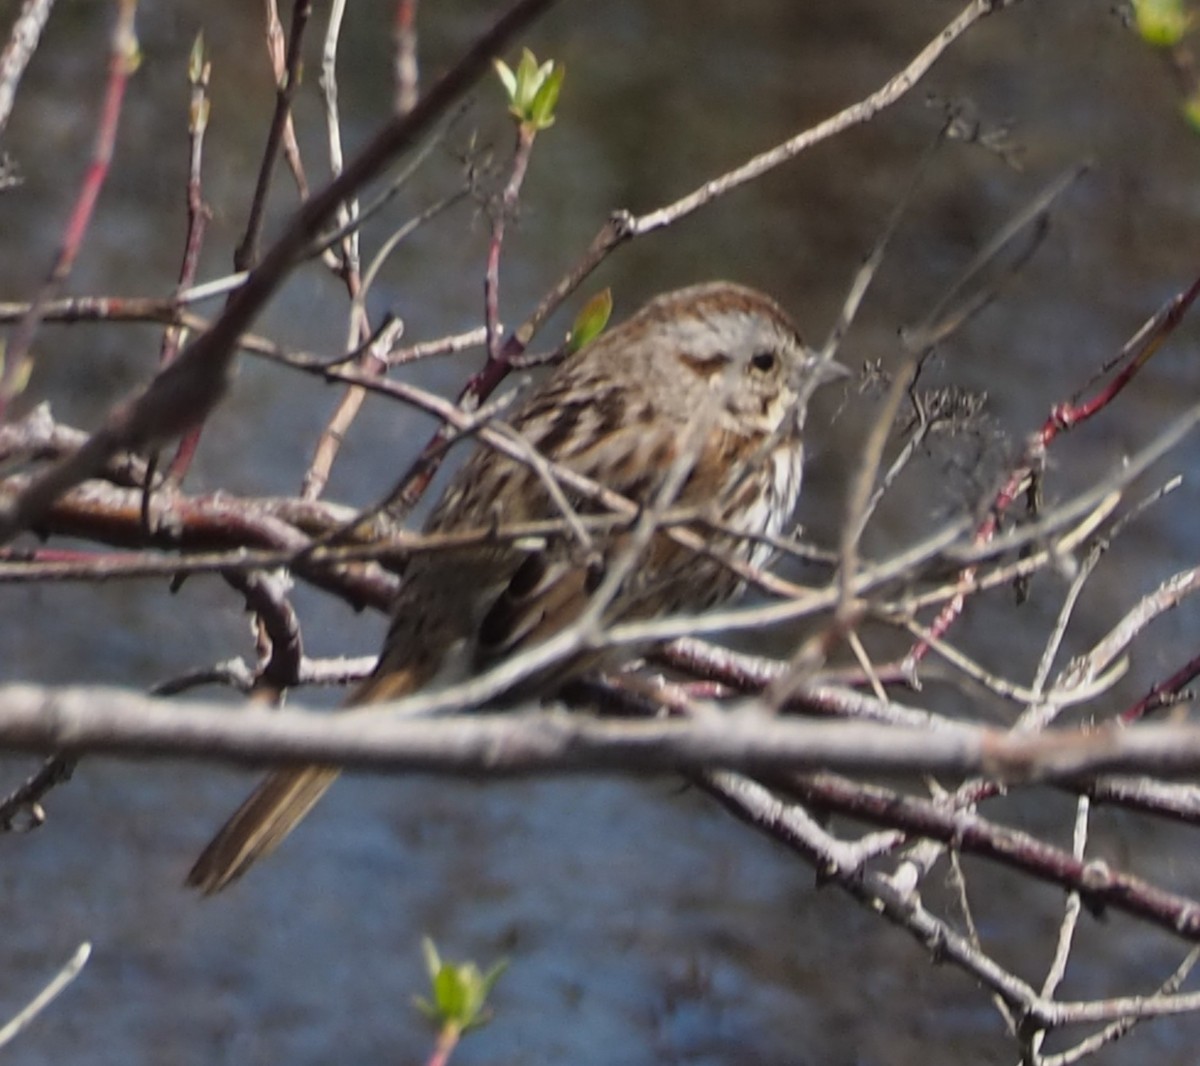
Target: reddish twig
{"x":447,"y":1041}
{"x":526,"y":133}
{"x":1063,"y":416}
{"x":123,"y":60}
{"x":1099,"y":884}
{"x":201,"y":523}
{"x":421,"y":472}
{"x":198,"y":214}
{"x":1165,"y":693}
{"x":406,"y":72}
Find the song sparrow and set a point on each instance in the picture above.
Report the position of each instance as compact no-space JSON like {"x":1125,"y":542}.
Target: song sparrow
{"x":696,"y":401}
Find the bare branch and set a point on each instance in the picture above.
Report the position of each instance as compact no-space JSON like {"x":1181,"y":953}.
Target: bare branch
{"x":47,"y":995}
{"x":22,"y":43}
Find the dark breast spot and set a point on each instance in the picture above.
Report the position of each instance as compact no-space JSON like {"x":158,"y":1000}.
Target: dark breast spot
{"x":562,"y":428}
{"x":610,"y":409}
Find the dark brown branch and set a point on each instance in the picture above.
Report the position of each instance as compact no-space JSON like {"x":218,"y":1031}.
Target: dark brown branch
{"x":22,"y":808}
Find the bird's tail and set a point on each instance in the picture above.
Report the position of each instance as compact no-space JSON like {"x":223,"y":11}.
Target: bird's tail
{"x":276,"y":807}
{"x":270,"y":812}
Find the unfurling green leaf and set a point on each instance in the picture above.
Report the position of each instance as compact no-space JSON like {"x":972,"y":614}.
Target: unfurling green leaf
{"x":590,"y":321}
{"x":532,"y":90}
{"x":541,"y":110}
{"x":507,"y":78}
{"x":196,"y":59}
{"x":459,"y":991}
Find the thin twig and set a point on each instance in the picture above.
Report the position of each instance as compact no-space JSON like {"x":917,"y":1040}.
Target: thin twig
{"x":287,"y":82}
{"x":47,"y":995}
{"x":406,"y":73}
{"x":1063,"y":416}
{"x":198,"y":214}
{"x":22,"y":43}
{"x":25,"y":801}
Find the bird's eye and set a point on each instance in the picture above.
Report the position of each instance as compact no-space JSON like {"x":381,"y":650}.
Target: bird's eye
{"x":763,"y":361}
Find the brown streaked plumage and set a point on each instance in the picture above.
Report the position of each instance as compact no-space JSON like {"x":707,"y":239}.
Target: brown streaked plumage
{"x":715,"y":377}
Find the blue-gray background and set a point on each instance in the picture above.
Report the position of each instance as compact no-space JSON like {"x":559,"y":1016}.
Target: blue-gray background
{"x":642,"y":924}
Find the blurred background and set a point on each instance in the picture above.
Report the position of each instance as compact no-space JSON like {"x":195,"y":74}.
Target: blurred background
{"x":642,"y":924}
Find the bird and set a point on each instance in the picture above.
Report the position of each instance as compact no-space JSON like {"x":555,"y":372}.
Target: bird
{"x":697,"y":401}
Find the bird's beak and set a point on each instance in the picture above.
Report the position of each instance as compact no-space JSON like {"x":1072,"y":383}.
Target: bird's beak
{"x":827,"y":370}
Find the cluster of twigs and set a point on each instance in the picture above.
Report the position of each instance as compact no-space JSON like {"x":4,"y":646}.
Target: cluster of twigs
{"x":777,"y":772}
